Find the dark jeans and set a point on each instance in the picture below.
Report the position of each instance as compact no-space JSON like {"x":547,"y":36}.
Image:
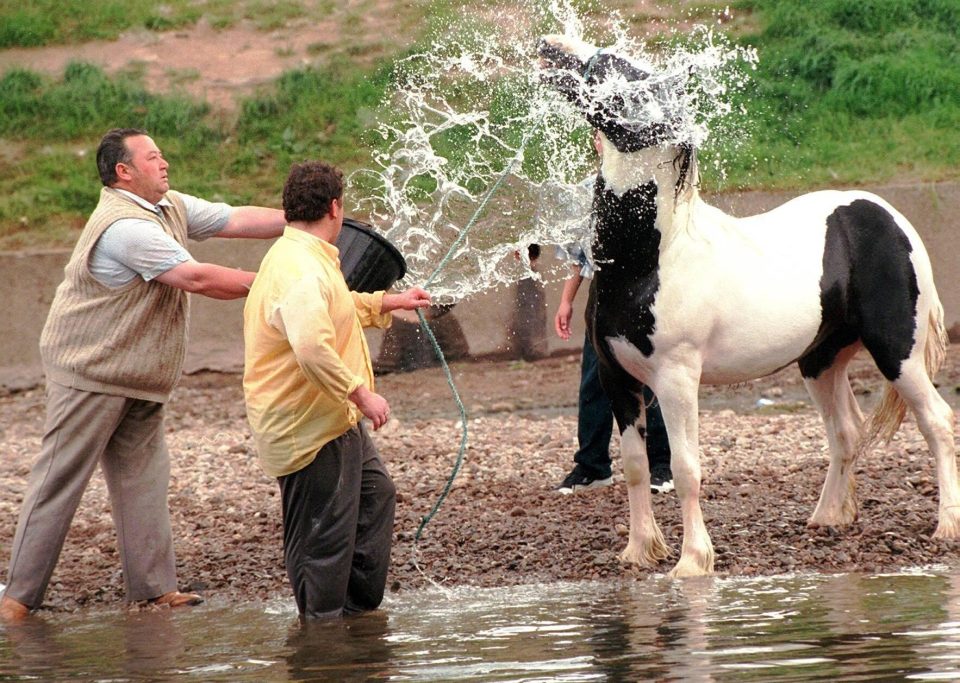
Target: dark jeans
{"x":595,"y":422}
{"x":338,"y":528}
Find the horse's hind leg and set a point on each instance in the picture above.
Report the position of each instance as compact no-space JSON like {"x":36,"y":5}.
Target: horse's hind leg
{"x":935,"y":421}
{"x":843,"y":420}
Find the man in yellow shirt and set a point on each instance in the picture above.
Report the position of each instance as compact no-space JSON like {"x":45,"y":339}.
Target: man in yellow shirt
{"x":308,"y":382}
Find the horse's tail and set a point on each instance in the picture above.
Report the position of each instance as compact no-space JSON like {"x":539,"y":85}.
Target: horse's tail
{"x":886,"y":418}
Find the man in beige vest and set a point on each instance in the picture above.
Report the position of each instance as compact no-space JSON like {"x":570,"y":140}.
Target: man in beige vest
{"x":112,"y":348}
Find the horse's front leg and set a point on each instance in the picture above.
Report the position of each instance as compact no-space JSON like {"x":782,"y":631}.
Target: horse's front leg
{"x":677,"y":392}
{"x":645,"y":545}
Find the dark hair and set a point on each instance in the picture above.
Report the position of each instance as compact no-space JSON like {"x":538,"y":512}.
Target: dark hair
{"x":112,"y":151}
{"x":309,"y":189}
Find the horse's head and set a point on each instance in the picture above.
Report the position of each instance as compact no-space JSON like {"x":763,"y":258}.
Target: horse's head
{"x":616,"y":95}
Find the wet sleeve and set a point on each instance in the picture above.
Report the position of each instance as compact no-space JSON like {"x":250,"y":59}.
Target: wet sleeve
{"x":369,"y":305}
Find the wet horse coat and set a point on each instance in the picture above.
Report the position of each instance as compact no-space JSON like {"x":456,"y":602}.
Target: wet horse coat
{"x":687,"y":294}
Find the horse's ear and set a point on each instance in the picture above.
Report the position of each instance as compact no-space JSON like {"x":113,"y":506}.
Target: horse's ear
{"x":559,"y":72}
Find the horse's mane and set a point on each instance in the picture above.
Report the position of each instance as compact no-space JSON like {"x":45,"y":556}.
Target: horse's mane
{"x":682,"y":163}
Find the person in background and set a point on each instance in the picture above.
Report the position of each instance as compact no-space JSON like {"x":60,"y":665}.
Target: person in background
{"x":592,"y":465}
{"x":112,"y":348}
{"x":307,"y":383}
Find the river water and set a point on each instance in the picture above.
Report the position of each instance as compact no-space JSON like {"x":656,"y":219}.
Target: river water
{"x":847,"y":627}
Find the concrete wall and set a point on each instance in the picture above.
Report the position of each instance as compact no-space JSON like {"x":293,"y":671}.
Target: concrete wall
{"x":29,"y":281}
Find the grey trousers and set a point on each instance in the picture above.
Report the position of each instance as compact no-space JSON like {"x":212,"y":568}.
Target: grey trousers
{"x":126,"y":437}
{"x":338,"y":528}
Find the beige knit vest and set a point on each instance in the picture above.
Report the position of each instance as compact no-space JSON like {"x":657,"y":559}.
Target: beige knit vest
{"x":129,"y":340}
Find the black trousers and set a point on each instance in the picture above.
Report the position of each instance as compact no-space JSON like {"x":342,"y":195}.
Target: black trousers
{"x":338,"y":528}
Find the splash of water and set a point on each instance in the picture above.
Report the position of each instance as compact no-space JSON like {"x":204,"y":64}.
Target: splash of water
{"x":472,"y":111}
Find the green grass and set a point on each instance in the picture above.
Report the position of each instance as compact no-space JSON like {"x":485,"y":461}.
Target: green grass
{"x":58,"y":22}
{"x":46,"y":22}
{"x":49,"y":183}
{"x":847,"y":92}
{"x":269,"y":15}
{"x":850,"y":92}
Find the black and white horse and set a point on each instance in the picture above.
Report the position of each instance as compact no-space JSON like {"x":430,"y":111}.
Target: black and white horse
{"x":687,"y":294}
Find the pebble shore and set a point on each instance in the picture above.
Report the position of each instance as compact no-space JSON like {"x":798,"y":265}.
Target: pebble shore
{"x":502,"y":523}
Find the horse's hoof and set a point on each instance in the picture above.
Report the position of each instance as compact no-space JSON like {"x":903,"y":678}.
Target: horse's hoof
{"x":947,"y":531}
{"x":830,"y":521}
{"x":948,"y":522}
{"x":647,"y":557}
{"x":633,"y":559}
{"x":686,"y":569}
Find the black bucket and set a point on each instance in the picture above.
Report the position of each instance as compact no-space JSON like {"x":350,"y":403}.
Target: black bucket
{"x":368,"y":261}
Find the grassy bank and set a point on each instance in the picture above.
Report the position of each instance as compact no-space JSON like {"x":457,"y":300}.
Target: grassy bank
{"x":50,"y":22}
{"x":851,"y":91}
{"x":846,"y":92}
{"x":49,"y":131}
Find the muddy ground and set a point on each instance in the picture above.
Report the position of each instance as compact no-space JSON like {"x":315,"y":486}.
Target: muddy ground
{"x":502,"y":523}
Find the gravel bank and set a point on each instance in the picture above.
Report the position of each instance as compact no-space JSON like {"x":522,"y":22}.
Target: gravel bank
{"x":502,"y":523}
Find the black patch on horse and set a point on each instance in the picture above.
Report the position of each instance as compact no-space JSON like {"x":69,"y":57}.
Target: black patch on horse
{"x":868,"y":290}
{"x":627,"y":252}
{"x":607,"y":114}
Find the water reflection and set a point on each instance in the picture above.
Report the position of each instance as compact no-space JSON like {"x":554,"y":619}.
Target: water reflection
{"x":32,"y":650}
{"x":357,"y":648}
{"x":152,"y":642}
{"x":788,"y":628}
{"x":649,"y":634}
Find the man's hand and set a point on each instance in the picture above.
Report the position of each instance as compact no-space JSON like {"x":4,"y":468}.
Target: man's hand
{"x":408,"y":300}
{"x":561,"y":322}
{"x":372,"y":405}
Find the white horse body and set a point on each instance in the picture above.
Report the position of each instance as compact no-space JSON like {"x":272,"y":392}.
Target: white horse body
{"x":687,"y":294}
{"x":758,"y":259}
